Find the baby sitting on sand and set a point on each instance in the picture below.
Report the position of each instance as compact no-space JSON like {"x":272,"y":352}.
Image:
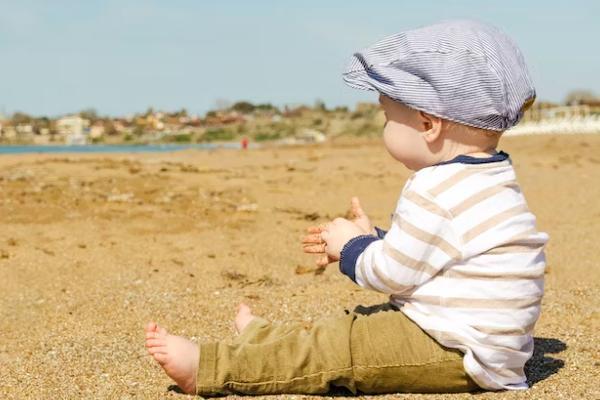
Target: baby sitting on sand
{"x":462,"y":261}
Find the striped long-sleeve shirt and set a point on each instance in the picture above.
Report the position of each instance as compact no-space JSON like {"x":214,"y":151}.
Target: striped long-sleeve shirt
{"x":463,"y":260}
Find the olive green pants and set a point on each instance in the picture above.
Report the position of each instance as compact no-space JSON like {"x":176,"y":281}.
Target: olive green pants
{"x":371,"y":350}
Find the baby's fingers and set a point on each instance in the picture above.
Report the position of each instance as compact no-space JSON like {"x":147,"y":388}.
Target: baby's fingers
{"x":314,"y":238}
{"x":322,"y":261}
{"x":318,"y":248}
{"x":315,"y":229}
{"x":356,"y":208}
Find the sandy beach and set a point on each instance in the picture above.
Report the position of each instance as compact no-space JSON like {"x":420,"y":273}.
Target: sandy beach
{"x":93,"y":246}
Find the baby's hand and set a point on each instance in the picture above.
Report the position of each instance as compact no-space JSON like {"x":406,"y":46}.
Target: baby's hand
{"x":329,"y":239}
{"x":337,"y":233}
{"x":315,"y":244}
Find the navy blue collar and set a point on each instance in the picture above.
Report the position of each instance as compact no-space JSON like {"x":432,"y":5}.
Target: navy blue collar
{"x":464,"y":159}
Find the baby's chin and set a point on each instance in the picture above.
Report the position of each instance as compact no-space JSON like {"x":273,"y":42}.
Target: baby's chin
{"x":413,"y":165}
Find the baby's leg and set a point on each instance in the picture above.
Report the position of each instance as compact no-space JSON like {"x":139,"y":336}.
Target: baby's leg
{"x":390,"y":353}
{"x":271,"y":358}
{"x":179,"y":356}
{"x":377,"y":353}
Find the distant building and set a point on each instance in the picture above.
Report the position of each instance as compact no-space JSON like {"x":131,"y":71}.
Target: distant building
{"x":576,"y":119}
{"x":97,"y":130}
{"x":308,"y":135}
{"x":155,"y":121}
{"x":9,"y":132}
{"x":24,"y":129}
{"x":221,"y":118}
{"x":73,"y":128}
{"x":72,"y":125}
{"x":582,"y":98}
{"x":305,"y":136}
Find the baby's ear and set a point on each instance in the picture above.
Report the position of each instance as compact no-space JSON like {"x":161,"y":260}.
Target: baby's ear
{"x":432,"y":126}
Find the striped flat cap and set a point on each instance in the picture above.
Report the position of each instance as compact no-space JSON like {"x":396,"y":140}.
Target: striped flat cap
{"x":461,"y":70}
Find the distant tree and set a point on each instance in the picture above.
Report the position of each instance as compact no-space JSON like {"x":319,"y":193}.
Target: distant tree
{"x":109,"y":128}
{"x":21,"y":118}
{"x":266,"y":107}
{"x":181,"y":113}
{"x":41,"y":123}
{"x":264,"y":136}
{"x":576,"y":97}
{"x":180,"y":138}
{"x":89,"y":113}
{"x":138,"y":130}
{"x":243,"y":107}
{"x":217,"y":134}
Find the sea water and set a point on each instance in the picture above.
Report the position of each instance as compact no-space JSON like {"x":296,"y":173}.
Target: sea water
{"x":117,"y":148}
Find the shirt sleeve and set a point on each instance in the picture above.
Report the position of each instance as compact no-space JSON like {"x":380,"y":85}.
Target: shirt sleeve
{"x":421,"y":242}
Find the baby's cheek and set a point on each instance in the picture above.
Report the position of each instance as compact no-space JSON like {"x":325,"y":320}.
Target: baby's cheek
{"x":394,"y":143}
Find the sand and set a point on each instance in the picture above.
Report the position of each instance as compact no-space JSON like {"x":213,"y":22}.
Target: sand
{"x":93,"y":246}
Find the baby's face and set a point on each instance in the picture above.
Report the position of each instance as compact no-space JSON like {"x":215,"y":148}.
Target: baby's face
{"x":403,"y":134}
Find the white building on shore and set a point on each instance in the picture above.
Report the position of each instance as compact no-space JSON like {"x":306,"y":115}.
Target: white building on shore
{"x":576,"y":119}
{"x":73,"y":128}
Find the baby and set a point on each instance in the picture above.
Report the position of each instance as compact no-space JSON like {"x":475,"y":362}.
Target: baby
{"x":462,"y":262}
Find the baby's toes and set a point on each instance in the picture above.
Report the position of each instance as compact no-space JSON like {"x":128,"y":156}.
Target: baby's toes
{"x":150,"y":327}
{"x":152,"y":335}
{"x":243,"y":309}
{"x":155,"y":342}
{"x":162,"y":332}
{"x":158,"y":350}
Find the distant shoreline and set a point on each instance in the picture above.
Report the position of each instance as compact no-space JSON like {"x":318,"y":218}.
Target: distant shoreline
{"x":117,"y":148}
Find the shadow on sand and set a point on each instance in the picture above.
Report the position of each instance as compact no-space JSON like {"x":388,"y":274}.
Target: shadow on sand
{"x":541,"y":365}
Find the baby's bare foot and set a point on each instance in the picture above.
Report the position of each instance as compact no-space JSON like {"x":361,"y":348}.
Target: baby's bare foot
{"x":243,"y":317}
{"x":178,"y":356}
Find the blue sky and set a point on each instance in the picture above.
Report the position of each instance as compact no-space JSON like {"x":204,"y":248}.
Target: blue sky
{"x":121,"y":57}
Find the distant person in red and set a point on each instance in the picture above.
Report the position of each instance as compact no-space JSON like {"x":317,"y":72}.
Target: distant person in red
{"x":245,"y":143}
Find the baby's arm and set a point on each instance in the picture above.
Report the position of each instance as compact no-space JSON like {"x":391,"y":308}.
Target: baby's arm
{"x":419,"y":244}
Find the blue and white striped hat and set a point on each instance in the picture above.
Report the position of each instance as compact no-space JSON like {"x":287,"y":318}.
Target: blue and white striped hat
{"x":463,"y":71}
